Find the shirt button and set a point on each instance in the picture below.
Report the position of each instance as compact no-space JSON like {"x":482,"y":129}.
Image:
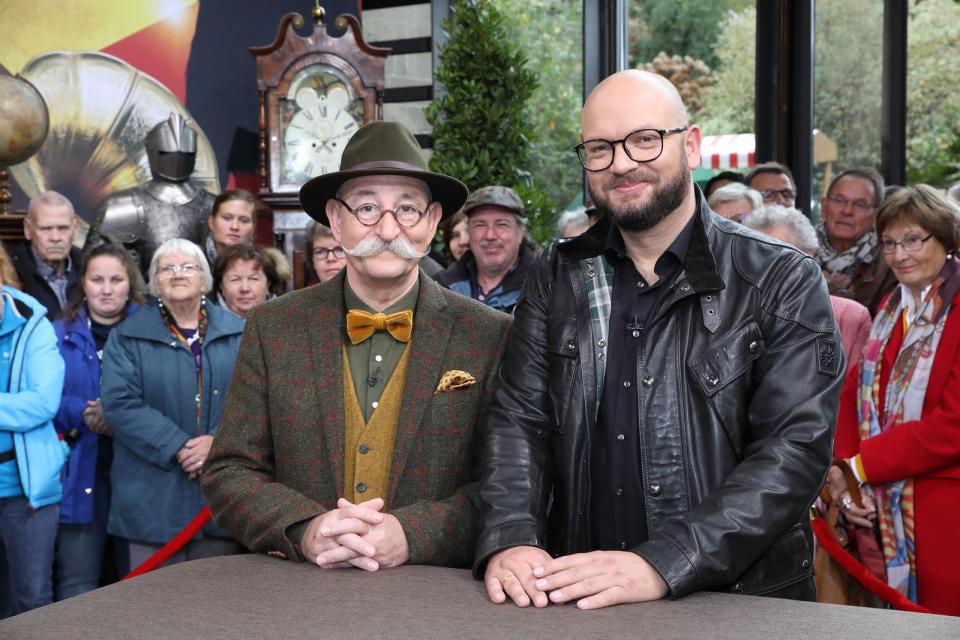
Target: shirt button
{"x":378,"y":358}
{"x":364,"y":448}
{"x":635,"y":334}
{"x":602,"y":343}
{"x":619,"y":492}
{"x":626,"y":383}
{"x":361,"y":487}
{"x":602,"y":357}
{"x":654,"y":490}
{"x":647,"y":381}
{"x":374,"y":404}
{"x":620,"y":437}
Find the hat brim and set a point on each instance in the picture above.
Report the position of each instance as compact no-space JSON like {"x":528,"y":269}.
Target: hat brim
{"x":449,"y":192}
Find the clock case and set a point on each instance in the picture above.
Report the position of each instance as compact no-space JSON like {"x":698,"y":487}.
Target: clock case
{"x":279,"y":63}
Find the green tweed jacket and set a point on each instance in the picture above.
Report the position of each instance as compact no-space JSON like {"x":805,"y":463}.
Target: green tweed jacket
{"x":278,"y":456}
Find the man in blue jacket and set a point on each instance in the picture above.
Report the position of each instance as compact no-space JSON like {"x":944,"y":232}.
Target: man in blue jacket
{"x":31,"y":455}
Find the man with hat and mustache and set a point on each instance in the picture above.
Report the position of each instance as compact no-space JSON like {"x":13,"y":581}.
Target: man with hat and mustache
{"x":350,"y":436}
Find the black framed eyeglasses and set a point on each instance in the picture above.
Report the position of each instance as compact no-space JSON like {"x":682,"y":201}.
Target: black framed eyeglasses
{"x":910,"y":244}
{"x":642,"y":145}
{"x":369,"y":214}
{"x":321,"y":253}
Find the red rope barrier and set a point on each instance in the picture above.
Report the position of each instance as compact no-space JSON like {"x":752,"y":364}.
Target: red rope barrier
{"x":860,"y":573}
{"x":163,"y":553}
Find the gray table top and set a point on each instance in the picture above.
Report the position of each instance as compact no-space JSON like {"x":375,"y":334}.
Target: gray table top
{"x":255,"y":596}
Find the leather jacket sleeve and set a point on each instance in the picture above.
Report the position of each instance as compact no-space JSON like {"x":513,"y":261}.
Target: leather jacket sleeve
{"x":516,"y":481}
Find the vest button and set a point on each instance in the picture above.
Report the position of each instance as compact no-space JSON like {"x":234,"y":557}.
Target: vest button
{"x":364,"y":448}
{"x":361,"y":487}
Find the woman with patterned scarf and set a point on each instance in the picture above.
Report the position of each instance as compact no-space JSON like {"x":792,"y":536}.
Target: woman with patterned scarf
{"x":899,"y":419}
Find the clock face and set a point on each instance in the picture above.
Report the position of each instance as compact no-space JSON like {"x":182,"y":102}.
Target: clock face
{"x":316,"y":124}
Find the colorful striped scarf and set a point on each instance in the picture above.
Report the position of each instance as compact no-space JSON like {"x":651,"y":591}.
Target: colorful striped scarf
{"x":903,"y":402}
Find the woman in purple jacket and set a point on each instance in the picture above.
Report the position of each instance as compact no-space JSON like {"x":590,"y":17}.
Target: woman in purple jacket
{"x":110,"y":288}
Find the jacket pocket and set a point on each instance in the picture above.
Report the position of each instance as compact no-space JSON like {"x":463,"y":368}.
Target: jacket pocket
{"x":787,"y":562}
{"x":563,"y":351}
{"x":723,"y":370}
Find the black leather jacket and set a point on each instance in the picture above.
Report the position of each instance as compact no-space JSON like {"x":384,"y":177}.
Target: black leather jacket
{"x":741,"y":372}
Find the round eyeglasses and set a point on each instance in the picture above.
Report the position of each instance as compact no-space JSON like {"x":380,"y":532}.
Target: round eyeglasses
{"x":369,"y":214}
{"x":642,"y":145}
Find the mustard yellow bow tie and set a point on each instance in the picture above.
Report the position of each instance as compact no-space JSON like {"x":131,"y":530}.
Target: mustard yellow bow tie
{"x":361,"y":325}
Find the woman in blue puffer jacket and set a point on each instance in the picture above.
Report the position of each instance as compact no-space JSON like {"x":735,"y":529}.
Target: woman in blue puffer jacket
{"x":110,"y":287}
{"x":31,"y":379}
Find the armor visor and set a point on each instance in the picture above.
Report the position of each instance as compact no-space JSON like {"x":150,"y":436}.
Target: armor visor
{"x":172,"y":149}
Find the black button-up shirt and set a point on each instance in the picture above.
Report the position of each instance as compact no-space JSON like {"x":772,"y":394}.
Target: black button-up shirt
{"x":617,"y":506}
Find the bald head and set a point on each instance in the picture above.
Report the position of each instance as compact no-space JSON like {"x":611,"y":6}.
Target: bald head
{"x":634,"y":96}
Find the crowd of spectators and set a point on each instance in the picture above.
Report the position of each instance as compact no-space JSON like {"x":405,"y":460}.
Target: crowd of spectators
{"x":114,"y":388}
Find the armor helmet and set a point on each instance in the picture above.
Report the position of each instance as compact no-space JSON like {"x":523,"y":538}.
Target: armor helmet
{"x":172,"y":149}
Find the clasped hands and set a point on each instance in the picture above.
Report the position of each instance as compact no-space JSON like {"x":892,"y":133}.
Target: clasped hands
{"x":594,"y":580}
{"x":356,"y":535}
{"x":193,"y":454}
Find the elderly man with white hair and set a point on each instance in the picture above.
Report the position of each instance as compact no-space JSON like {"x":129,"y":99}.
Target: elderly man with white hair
{"x":572,"y":223}
{"x":165,"y":375}
{"x":790,"y":226}
{"x":735,"y":201}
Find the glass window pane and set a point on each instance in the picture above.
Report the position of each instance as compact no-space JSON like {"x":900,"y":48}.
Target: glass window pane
{"x":551,"y":33}
{"x":708,"y":49}
{"x":847,"y":89}
{"x":933,"y":101}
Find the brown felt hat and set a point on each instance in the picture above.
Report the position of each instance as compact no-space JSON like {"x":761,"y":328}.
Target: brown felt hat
{"x":381,"y":149}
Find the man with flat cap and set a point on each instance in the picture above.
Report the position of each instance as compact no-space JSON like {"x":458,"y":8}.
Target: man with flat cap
{"x":350,"y":434}
{"x":494,"y":267}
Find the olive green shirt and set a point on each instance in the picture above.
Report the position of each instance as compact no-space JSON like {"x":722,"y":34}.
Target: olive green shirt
{"x":373,"y":361}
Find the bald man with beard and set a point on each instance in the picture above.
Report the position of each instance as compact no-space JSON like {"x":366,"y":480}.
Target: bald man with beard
{"x":665,"y":410}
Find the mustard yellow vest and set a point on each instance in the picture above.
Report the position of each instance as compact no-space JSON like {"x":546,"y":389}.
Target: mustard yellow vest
{"x":368,"y":446}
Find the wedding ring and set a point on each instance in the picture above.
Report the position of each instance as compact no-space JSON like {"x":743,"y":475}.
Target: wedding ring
{"x":509,"y":576}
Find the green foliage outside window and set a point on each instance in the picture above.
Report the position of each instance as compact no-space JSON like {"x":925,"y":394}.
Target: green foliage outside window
{"x":481,"y":130}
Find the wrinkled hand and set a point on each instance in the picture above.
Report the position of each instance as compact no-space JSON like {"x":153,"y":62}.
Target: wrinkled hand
{"x":384,"y":543}
{"x":94,"y":419}
{"x":840,"y":492}
{"x":600,"y":579}
{"x":510,"y":573}
{"x":193,"y":454}
{"x":325,"y":539}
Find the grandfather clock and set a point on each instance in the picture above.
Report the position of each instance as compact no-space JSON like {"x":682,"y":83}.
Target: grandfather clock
{"x":315,"y":92}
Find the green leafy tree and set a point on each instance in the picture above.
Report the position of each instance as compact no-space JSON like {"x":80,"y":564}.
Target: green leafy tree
{"x":481,"y":132}
{"x":848,"y":81}
{"x":550,"y":31}
{"x":675,"y":27}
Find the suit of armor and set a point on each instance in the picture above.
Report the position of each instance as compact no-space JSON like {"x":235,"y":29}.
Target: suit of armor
{"x":169,"y":205}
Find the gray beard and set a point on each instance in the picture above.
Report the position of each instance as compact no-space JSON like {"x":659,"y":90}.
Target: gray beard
{"x":664,"y":201}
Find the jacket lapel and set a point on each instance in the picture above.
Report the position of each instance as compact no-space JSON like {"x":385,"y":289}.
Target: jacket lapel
{"x":325,"y":340}
{"x":432,"y":331}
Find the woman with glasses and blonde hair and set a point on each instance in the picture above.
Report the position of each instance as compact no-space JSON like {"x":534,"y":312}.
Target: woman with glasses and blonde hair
{"x":165,"y":376}
{"x":899,"y":421}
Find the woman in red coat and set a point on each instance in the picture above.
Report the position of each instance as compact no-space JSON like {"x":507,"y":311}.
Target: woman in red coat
{"x":899,"y":420}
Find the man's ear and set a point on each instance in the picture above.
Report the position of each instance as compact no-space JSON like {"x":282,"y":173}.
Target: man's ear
{"x":27,"y":228}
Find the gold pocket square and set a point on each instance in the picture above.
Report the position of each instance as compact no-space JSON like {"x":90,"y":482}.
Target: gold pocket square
{"x":455,"y":379}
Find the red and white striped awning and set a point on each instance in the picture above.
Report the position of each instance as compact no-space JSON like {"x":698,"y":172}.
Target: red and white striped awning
{"x":734,"y":151}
